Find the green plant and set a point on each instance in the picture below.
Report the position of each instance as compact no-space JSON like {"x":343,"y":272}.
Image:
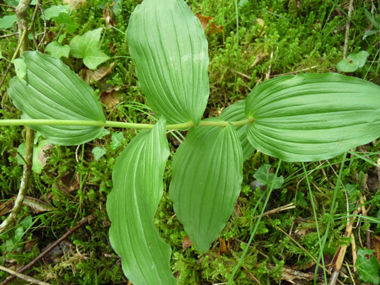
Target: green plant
{"x":295,"y":118}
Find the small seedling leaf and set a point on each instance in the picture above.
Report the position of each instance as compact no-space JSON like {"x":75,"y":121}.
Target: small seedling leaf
{"x":117,"y":140}
{"x":132,"y":204}
{"x":54,"y":11}
{"x":368,"y":269}
{"x":98,"y":152}
{"x":42,"y":96}
{"x":20,"y":68}
{"x":171,"y":58}
{"x":207,"y":174}
{"x":103,"y":133}
{"x":266,"y":178}
{"x":234,"y":113}
{"x":353,"y":62}
{"x":311,"y":117}
{"x":64,"y":18}
{"x":7,"y":22}
{"x":243,"y":3}
{"x":58,"y":50}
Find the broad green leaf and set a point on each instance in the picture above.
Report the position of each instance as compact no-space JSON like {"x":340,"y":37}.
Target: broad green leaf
{"x":7,"y":22}
{"x":235,"y":113}
{"x":54,"y":11}
{"x":132,"y":204}
{"x":20,"y":68}
{"x":98,"y":152}
{"x":265,"y":178}
{"x":50,"y":90}
{"x":353,"y":62}
{"x":86,"y":47}
{"x":368,"y":269}
{"x":64,"y":18}
{"x":57,"y":50}
{"x":169,"y":47}
{"x":310,"y":117}
{"x":116,"y":140}
{"x":207,"y":175}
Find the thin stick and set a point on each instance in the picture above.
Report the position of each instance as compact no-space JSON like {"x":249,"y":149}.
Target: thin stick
{"x":22,"y":276}
{"x":349,"y":271}
{"x":341,"y":251}
{"x":354,"y":255}
{"x":81,"y":223}
{"x":277,"y":210}
{"x":347,"y":29}
{"x":21,"y":13}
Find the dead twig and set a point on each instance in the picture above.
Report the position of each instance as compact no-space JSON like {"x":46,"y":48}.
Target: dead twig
{"x":81,"y":223}
{"x":341,"y":251}
{"x":21,"y":13}
{"x":354,"y":255}
{"x":347,"y":29}
{"x":22,"y":276}
{"x":277,"y":210}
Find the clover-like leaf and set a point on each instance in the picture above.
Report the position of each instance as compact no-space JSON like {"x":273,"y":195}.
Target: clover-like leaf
{"x":368,"y":269}
{"x":57,"y":50}
{"x":353,"y":62}
{"x":64,"y":18}
{"x":7,"y":22}
{"x":86,"y":47}
{"x":54,"y":11}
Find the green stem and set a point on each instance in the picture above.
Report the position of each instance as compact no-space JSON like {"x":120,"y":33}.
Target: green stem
{"x":118,"y":124}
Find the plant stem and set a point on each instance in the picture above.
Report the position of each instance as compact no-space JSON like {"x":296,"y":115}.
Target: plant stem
{"x":119,"y":124}
{"x":21,"y":13}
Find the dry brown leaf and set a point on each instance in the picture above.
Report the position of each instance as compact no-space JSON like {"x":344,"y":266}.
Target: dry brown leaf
{"x":290,"y":274}
{"x":108,"y":15}
{"x":261,"y":31}
{"x":6,"y":207}
{"x":222,"y":246}
{"x":73,"y":2}
{"x":70,"y":182}
{"x":375,"y":244}
{"x":209,"y":29}
{"x":102,"y":72}
{"x":110,"y":98}
{"x":186,"y":243}
{"x":36,"y":205}
{"x":42,"y":155}
{"x":86,"y":75}
{"x":237,"y":210}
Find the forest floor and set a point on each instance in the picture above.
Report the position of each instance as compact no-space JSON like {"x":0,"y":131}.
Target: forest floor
{"x":259,"y":41}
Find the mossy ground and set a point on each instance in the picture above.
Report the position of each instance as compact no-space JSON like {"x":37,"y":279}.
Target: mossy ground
{"x":275,"y":38}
